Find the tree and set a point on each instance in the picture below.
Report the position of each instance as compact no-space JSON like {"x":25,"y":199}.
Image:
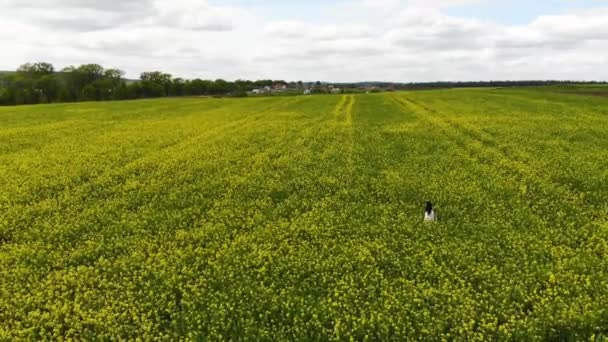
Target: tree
{"x":91,"y":82}
{"x":114,"y":74}
{"x":33,"y":83}
{"x":178,"y":87}
{"x":77,"y":78}
{"x":64,"y":95}
{"x":243,"y":85}
{"x":88,"y":93}
{"x":36,"y":70}
{"x":47,"y":87}
{"x":89,"y":73}
{"x":6,"y":97}
{"x":220,"y":86}
{"x":22,"y":88}
{"x":134,"y":90}
{"x":113,"y":81}
{"x":199,"y":87}
{"x":156,"y":83}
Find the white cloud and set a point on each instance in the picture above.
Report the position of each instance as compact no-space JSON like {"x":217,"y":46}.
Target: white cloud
{"x":89,"y":15}
{"x":575,"y":26}
{"x":395,"y":40}
{"x":298,"y":29}
{"x":196,"y":15}
{"x":392,"y":5}
{"x":107,"y":5}
{"x":430,"y":29}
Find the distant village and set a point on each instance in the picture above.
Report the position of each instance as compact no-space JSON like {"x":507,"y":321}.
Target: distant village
{"x":308,"y":88}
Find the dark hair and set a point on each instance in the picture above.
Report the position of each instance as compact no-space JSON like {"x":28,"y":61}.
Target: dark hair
{"x":429,"y":207}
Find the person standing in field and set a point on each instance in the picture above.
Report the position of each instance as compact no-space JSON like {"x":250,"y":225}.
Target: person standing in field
{"x":429,"y":213}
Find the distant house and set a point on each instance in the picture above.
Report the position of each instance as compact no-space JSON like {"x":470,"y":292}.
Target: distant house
{"x":260,"y":91}
{"x":336,"y":91}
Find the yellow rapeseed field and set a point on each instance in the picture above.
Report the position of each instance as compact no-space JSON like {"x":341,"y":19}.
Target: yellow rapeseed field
{"x":300,"y":218}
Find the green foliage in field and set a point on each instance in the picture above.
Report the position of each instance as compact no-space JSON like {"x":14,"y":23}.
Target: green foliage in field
{"x":301,"y":218}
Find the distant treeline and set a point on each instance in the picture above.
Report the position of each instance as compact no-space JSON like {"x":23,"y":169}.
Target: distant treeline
{"x":473,"y":84}
{"x":40,"y":83}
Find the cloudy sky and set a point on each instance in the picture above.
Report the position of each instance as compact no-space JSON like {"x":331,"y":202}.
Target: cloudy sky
{"x":328,"y":40}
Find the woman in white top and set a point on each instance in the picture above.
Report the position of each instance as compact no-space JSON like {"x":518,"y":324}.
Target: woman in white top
{"x":429,"y":213}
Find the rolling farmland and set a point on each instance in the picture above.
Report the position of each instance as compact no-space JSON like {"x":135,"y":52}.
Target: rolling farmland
{"x":300,"y":218}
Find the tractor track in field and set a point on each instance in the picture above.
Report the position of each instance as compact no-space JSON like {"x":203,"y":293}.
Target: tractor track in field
{"x":597,"y":115}
{"x":341,"y":131}
{"x":340,"y":114}
{"x":7,"y":135}
{"x":66,"y":127}
{"x":490,"y":145}
{"x":345,"y":117}
{"x":232,"y":187}
{"x":339,"y":108}
{"x":343,"y":112}
{"x":151,"y":158}
{"x":109,"y":180}
{"x":499,"y":161}
{"x":211,"y":212}
{"x":512,"y":152}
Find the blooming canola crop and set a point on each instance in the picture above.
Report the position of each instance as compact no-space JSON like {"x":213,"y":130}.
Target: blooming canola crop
{"x":301,"y":218}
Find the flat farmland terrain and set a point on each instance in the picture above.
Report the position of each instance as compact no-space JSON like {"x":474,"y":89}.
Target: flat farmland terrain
{"x":300,"y":218}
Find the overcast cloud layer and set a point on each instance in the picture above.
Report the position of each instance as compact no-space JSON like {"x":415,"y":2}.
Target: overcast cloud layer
{"x":356,"y":40}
